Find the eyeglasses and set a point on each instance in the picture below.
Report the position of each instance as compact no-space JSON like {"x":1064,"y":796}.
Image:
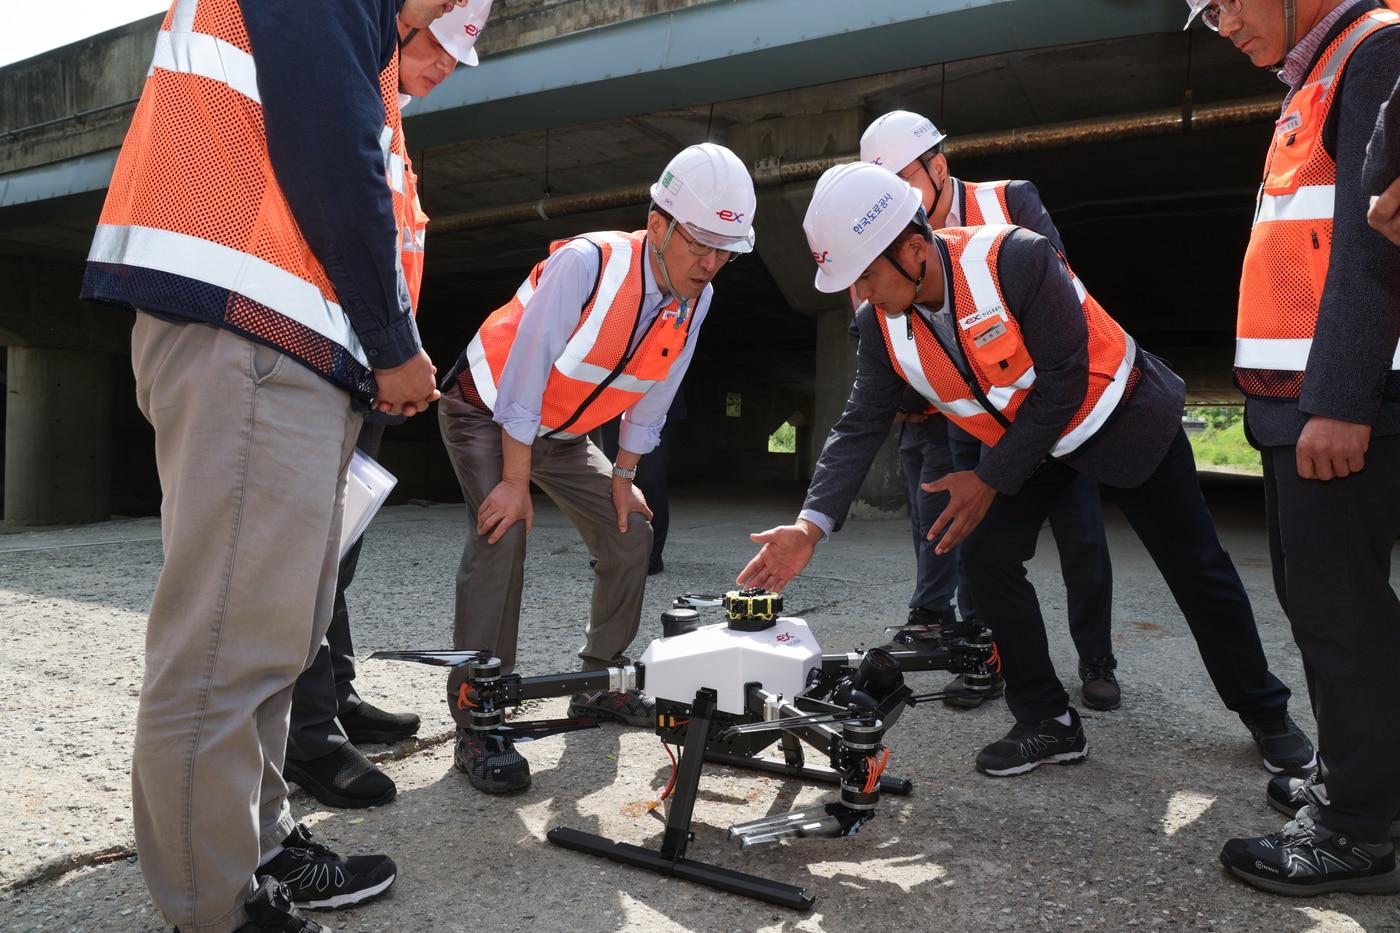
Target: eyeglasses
{"x":1211,"y":14}
{"x":697,"y":249}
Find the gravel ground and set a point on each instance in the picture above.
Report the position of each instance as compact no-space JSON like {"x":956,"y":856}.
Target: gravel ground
{"x":1127,"y":840}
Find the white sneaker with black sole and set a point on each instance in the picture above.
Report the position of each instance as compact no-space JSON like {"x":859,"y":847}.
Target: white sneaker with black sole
{"x":319,"y":879}
{"x":1029,"y":745}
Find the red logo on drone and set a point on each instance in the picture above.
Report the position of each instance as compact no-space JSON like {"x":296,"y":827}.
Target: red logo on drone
{"x":730,"y":216}
{"x":823,"y":257}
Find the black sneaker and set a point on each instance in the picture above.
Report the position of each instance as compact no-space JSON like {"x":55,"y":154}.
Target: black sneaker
{"x":1306,"y":858}
{"x":1282,"y":744}
{"x":959,"y":694}
{"x":1029,"y":745}
{"x":344,"y":778}
{"x":1101,"y":690}
{"x":366,"y":724}
{"x":1288,"y":795}
{"x":271,"y":909}
{"x":318,"y":879}
{"x":491,"y":762}
{"x":631,"y":708}
{"x":943,"y":618}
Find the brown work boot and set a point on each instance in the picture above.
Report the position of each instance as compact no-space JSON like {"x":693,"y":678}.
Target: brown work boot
{"x":1101,"y":690}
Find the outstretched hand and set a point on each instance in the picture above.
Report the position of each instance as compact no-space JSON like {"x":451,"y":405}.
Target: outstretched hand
{"x":969,"y":498}
{"x":786,"y":551}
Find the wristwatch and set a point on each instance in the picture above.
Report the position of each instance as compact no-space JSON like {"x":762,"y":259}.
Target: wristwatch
{"x":621,"y":473}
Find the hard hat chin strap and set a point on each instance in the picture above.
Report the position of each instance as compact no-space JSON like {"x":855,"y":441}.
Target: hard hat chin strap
{"x":937,"y":188}
{"x":1290,"y":32}
{"x":665,"y":275}
{"x":893,"y":260}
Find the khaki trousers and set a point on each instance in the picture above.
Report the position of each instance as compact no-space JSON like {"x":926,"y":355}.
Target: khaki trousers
{"x":251,"y":448}
{"x":578,"y":478}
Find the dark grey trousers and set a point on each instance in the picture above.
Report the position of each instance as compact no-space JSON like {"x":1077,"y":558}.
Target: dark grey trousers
{"x":1332,"y":544}
{"x":578,"y":478}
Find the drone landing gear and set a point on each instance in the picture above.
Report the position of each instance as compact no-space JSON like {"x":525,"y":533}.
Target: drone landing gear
{"x":792,"y":766}
{"x":670,"y":859}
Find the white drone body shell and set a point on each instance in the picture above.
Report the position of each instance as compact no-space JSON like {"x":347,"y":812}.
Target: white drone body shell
{"x":725,"y":660}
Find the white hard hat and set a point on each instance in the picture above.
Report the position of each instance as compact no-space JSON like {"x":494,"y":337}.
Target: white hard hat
{"x":857,"y":210}
{"x":1197,"y":8}
{"x":898,"y":138}
{"x":459,"y":29}
{"x":709,"y":192}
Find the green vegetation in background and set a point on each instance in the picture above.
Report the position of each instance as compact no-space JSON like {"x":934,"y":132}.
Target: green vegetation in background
{"x":783,"y":440}
{"x":1222,"y":443}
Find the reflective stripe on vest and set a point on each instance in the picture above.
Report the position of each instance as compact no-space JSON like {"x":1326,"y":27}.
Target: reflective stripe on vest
{"x":595,"y":378}
{"x":984,"y":203}
{"x":1286,"y":264}
{"x":209,"y":57}
{"x":213,"y":239}
{"x":254,"y":278}
{"x":979,"y":310}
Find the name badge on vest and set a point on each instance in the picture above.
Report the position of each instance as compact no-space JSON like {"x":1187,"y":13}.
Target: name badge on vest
{"x":977,"y":317}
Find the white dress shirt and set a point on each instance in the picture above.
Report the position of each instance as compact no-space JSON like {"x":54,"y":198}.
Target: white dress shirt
{"x":550,"y":318}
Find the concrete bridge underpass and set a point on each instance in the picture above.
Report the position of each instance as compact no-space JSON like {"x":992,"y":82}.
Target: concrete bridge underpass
{"x":1145,"y":143}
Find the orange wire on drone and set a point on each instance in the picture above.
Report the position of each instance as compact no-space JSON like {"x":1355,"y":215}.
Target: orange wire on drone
{"x":994,"y":662}
{"x":671,"y":783}
{"x":873,"y":771}
{"x":464,"y":698}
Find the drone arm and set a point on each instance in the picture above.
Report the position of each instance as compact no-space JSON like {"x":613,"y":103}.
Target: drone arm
{"x":615,"y":679}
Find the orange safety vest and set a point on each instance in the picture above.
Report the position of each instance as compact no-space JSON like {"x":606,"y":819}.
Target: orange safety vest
{"x":985,"y":203}
{"x":413,"y":231}
{"x":212,"y":236}
{"x":989,"y":341}
{"x":595,"y":379}
{"x":1290,"y":246}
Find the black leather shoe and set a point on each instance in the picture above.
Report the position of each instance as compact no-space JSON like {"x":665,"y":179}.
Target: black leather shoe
{"x":344,"y":778}
{"x":367,"y":724}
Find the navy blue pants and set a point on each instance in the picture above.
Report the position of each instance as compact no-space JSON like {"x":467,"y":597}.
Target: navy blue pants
{"x":923,"y":452}
{"x":1171,"y":518}
{"x":1076,"y":521}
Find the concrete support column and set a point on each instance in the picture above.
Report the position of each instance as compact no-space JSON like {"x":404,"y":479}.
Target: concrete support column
{"x":884,"y":488}
{"x":58,"y":436}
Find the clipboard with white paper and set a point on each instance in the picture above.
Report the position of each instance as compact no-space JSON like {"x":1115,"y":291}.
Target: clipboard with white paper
{"x":367,"y":485}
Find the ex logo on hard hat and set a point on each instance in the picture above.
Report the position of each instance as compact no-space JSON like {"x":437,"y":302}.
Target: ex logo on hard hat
{"x":730,"y":216}
{"x":823,"y":257}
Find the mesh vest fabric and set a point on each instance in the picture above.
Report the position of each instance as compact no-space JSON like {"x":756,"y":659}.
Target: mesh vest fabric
{"x":595,"y":379}
{"x":984,"y":202}
{"x":1290,"y":245}
{"x":1004,"y":378}
{"x":195,"y":224}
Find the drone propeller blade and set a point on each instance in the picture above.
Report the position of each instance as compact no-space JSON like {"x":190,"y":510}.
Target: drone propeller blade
{"x":543,"y":728}
{"x":438,"y":658}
